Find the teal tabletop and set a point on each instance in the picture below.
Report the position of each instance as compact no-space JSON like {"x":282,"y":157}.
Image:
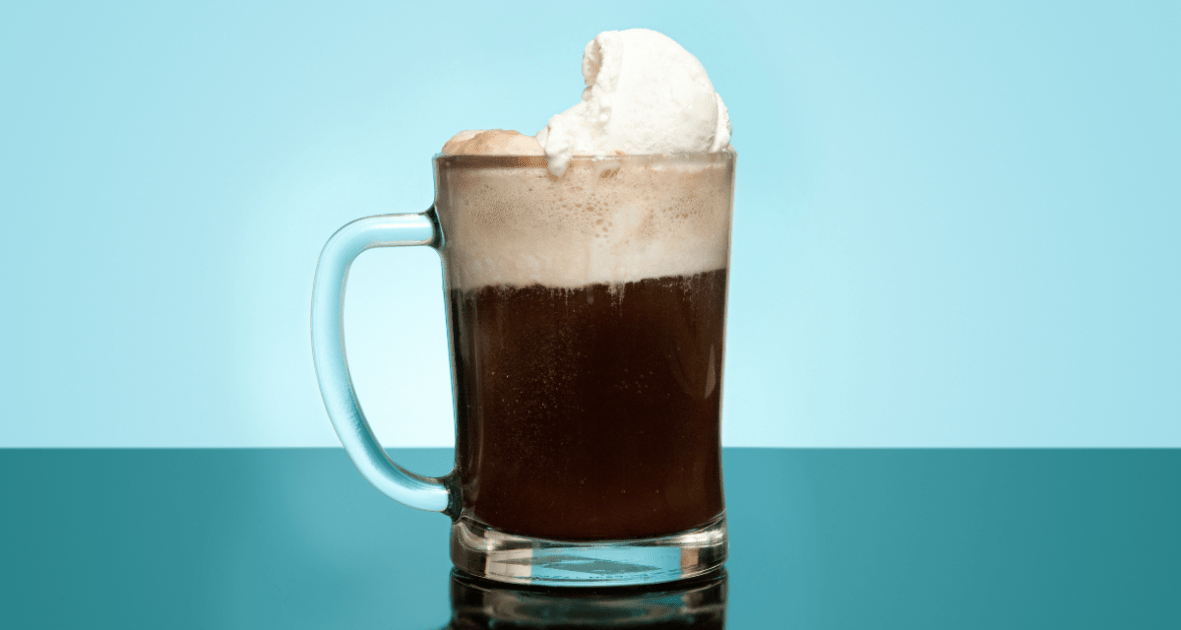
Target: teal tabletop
{"x":294,"y":538}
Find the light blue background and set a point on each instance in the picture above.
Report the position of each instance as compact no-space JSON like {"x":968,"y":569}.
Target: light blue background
{"x":957,"y":223}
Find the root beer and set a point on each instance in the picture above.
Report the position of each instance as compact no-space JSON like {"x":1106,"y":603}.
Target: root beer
{"x":591,"y":413}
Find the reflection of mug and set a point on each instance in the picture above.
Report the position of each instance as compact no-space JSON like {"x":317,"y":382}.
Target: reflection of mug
{"x":699,"y":604}
{"x":587,"y":319}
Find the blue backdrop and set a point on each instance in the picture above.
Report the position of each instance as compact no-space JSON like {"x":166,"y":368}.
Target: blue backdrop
{"x":957,"y":223}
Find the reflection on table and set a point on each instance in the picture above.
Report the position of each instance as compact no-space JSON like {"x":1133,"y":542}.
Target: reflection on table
{"x":698,"y":604}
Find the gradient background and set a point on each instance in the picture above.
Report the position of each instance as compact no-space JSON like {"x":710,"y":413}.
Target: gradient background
{"x":957,"y":224}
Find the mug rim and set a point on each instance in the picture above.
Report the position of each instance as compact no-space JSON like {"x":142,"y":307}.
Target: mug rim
{"x":475,"y":160}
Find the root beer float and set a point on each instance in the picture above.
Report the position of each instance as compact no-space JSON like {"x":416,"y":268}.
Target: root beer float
{"x":587,"y":271}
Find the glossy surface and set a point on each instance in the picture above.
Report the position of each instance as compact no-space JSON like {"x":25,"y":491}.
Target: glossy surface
{"x":818,"y":539}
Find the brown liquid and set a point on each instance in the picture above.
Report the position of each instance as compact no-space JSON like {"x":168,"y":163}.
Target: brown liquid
{"x":591,"y":413}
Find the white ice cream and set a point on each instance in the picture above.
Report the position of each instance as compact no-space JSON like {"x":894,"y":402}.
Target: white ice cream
{"x":645,"y":95}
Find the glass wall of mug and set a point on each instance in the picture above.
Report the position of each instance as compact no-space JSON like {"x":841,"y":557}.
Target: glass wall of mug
{"x":587,"y":325}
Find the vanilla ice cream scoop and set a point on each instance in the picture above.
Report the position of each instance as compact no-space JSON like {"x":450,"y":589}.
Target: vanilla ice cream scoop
{"x":645,"y":94}
{"x":491,"y":142}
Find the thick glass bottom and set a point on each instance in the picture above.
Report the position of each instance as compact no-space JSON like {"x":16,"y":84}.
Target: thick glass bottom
{"x":485,"y":552}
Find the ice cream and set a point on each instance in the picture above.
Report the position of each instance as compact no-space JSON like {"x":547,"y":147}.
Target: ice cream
{"x":491,"y":142}
{"x":645,"y":94}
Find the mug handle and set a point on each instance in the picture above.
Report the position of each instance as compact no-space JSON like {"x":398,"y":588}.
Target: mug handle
{"x":389,"y":230}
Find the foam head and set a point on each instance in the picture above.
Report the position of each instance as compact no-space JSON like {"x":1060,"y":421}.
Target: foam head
{"x":509,"y":221}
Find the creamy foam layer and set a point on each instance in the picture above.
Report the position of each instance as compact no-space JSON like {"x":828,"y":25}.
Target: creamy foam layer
{"x":509,"y":221}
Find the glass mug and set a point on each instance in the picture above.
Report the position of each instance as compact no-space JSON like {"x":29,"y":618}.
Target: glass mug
{"x":586,"y":317}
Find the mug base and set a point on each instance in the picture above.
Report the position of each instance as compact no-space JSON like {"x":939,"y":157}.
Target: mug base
{"x":482,"y":551}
